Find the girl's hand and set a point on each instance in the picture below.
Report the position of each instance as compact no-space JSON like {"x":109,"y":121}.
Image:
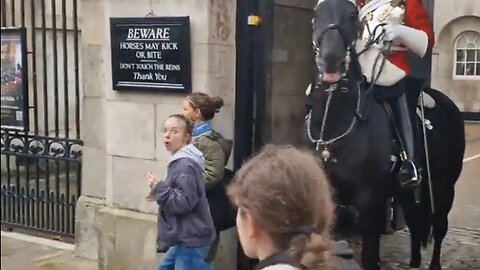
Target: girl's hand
{"x":151,"y":178}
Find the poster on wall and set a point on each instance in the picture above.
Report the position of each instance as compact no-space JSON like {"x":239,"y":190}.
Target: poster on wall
{"x":151,"y":53}
{"x":14,"y":79}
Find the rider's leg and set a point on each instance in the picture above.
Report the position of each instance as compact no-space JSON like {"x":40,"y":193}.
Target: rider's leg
{"x":407,"y":174}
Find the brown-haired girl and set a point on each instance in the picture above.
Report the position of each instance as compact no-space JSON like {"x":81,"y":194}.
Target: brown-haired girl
{"x":285,"y":210}
{"x":185,"y":227}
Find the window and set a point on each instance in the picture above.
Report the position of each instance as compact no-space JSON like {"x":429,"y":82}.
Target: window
{"x":467,"y":56}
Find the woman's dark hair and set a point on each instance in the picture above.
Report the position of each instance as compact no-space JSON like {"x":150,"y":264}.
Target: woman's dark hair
{"x":293,"y":182}
{"x":188,"y":123}
{"x":208,"y":105}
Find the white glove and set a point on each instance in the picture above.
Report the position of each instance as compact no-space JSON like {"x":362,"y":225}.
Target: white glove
{"x":391,"y":32}
{"x":413,"y":39}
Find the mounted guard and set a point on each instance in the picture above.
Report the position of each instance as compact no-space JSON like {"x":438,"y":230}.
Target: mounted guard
{"x":359,"y":89}
{"x":395,"y":26}
{"x":389,"y":29}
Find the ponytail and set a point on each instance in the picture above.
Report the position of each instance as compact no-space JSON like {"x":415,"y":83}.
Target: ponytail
{"x":311,"y":251}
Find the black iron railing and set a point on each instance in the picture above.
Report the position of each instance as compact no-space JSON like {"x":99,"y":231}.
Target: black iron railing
{"x":41,"y":167}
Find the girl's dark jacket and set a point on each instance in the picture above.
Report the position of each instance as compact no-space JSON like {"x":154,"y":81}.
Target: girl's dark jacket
{"x":184,"y":215}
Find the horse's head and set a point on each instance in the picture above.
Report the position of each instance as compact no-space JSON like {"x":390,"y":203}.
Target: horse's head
{"x":335,"y":29}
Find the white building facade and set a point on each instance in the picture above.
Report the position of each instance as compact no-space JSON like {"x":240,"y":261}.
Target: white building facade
{"x":456,"y":55}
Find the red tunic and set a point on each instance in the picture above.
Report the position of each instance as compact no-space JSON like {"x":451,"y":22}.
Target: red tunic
{"x":415,"y":17}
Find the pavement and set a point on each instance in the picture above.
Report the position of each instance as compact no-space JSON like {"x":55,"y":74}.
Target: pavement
{"x":460,"y":250}
{"x":461,"y":247}
{"x":22,"y":252}
{"x":466,"y":206}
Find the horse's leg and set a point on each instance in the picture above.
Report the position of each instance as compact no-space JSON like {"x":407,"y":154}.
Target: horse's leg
{"x":437,"y":250}
{"x":371,"y":250}
{"x":440,"y":226}
{"x":412,"y":213}
{"x":371,"y":210}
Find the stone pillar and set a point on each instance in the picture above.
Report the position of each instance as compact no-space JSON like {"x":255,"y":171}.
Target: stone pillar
{"x":121,"y":131}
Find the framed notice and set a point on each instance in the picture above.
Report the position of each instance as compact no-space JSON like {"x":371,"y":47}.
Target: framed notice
{"x":14,"y":84}
{"x":151,"y":53}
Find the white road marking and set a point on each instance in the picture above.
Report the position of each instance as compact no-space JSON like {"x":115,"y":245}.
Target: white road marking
{"x":471,"y":158}
{"x":38,"y":240}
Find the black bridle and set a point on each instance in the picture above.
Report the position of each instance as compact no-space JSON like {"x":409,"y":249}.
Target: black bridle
{"x":350,"y":52}
{"x":333,"y":26}
{"x":350,"y":48}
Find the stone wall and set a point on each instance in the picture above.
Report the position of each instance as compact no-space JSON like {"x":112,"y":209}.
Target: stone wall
{"x":448,"y":11}
{"x":121,"y":131}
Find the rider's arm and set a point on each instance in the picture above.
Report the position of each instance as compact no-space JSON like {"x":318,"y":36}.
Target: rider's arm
{"x":416,"y":18}
{"x":417,"y":33}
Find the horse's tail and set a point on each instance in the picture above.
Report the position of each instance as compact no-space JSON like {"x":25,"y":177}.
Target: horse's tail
{"x":455,"y":132}
{"x":446,"y":118}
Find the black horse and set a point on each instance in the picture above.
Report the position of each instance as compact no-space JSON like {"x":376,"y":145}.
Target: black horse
{"x":352,"y":132}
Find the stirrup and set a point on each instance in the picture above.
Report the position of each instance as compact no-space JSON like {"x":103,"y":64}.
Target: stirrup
{"x":415,"y":181}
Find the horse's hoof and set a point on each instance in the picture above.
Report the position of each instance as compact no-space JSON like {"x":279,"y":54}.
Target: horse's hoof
{"x":371,"y":267}
{"x":434,"y":266}
{"x":415,"y":263}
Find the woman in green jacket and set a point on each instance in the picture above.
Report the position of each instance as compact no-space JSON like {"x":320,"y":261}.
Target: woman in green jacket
{"x":201,"y":108}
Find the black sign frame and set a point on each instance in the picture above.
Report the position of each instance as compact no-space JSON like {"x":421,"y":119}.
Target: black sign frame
{"x":21,"y":34}
{"x":183,"y":81}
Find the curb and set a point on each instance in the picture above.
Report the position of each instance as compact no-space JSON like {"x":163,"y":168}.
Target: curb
{"x":38,"y":240}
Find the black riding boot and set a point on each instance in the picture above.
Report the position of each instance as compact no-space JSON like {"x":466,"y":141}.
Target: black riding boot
{"x":408,"y":173}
